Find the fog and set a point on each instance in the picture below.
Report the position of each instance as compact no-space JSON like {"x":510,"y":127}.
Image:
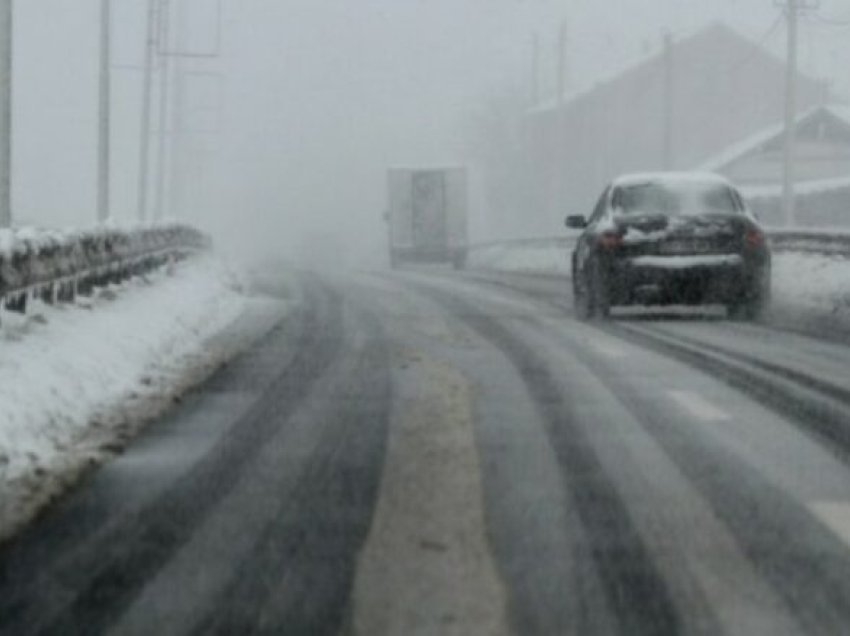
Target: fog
{"x":288,"y":132}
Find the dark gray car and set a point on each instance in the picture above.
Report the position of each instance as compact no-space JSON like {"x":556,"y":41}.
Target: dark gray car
{"x":670,"y":238}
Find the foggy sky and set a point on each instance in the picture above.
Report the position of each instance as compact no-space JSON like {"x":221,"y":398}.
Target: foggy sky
{"x":318,"y":97}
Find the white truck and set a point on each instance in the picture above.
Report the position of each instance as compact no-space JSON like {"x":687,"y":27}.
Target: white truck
{"x":427,"y":215}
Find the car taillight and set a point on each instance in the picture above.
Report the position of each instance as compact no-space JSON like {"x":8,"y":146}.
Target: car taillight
{"x":610,"y":241}
{"x":754,"y":238}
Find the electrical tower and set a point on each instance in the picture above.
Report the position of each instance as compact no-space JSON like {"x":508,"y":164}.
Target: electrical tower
{"x":144,"y":128}
{"x":104,"y":112}
{"x":175,"y":55}
{"x":6,"y":24}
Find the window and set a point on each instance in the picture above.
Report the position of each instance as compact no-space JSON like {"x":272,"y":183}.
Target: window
{"x":678,"y":199}
{"x":599,"y":210}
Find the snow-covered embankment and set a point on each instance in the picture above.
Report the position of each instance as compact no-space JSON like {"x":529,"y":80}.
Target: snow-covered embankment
{"x":808,"y":288}
{"x":77,"y":381}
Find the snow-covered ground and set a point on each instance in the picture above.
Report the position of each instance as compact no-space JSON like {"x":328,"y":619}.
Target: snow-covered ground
{"x":77,"y":381}
{"x":533,"y":257}
{"x":808,"y":285}
{"x":812,"y":285}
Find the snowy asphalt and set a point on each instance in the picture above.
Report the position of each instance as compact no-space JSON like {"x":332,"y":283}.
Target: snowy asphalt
{"x":426,"y":453}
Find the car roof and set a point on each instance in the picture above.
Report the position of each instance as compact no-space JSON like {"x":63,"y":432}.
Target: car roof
{"x":673,"y":178}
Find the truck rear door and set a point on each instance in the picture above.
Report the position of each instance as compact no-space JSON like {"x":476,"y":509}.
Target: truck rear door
{"x":430,"y":231}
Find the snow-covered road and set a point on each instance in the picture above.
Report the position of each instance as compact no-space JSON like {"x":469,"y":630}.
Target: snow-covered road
{"x":427,"y":452}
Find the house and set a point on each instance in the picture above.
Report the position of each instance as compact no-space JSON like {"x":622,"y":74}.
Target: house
{"x":821,"y":168}
{"x":673,"y":110}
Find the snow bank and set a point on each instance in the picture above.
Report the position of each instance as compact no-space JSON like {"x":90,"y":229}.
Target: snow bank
{"x":76,"y":380}
{"x":813,"y":283}
{"x":552,"y":257}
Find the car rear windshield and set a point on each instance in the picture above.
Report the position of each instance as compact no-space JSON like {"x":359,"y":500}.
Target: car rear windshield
{"x":680,"y":199}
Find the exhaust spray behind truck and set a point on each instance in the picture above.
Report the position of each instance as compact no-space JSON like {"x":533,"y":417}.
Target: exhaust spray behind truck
{"x":427,"y":215}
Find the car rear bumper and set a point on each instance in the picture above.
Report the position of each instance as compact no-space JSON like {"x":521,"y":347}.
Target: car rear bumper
{"x":664,"y":280}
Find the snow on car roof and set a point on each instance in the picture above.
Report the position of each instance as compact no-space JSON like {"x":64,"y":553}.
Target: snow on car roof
{"x":671,"y":178}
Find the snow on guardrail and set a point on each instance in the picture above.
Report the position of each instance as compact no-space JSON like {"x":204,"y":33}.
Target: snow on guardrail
{"x":57,"y":266}
{"x":549,"y":255}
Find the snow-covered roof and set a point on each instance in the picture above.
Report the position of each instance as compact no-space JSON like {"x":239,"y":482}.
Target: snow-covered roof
{"x":774,"y":131}
{"x":771,"y":190}
{"x":652,"y":53}
{"x":718,"y":34}
{"x":554,"y":103}
{"x":840,"y":111}
{"x":742,"y":147}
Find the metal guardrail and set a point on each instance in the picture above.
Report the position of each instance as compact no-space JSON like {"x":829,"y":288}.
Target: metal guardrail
{"x":828,"y":242}
{"x":833,"y":242}
{"x":548,"y":241}
{"x":56,"y":267}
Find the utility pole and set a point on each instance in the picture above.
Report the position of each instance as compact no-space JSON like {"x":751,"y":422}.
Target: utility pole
{"x":178,"y":137}
{"x":792,"y":8}
{"x":145,"y":127}
{"x":6,"y":29}
{"x":104,"y":115}
{"x":162,"y":154}
{"x":172,"y":45}
{"x":561,"y":80}
{"x":669,"y":96}
{"x":790,"y":115}
{"x":535,"y":69}
{"x":560,"y":118}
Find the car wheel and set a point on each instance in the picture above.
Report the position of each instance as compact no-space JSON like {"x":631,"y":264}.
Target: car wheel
{"x":752,"y":305}
{"x":598,"y":293}
{"x":582,"y":297}
{"x":757,"y":305}
{"x":754,"y":308}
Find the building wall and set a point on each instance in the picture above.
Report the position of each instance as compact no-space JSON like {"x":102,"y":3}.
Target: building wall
{"x":815,"y":160}
{"x":829,"y":209}
{"x":723,"y":89}
{"x":822,"y":151}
